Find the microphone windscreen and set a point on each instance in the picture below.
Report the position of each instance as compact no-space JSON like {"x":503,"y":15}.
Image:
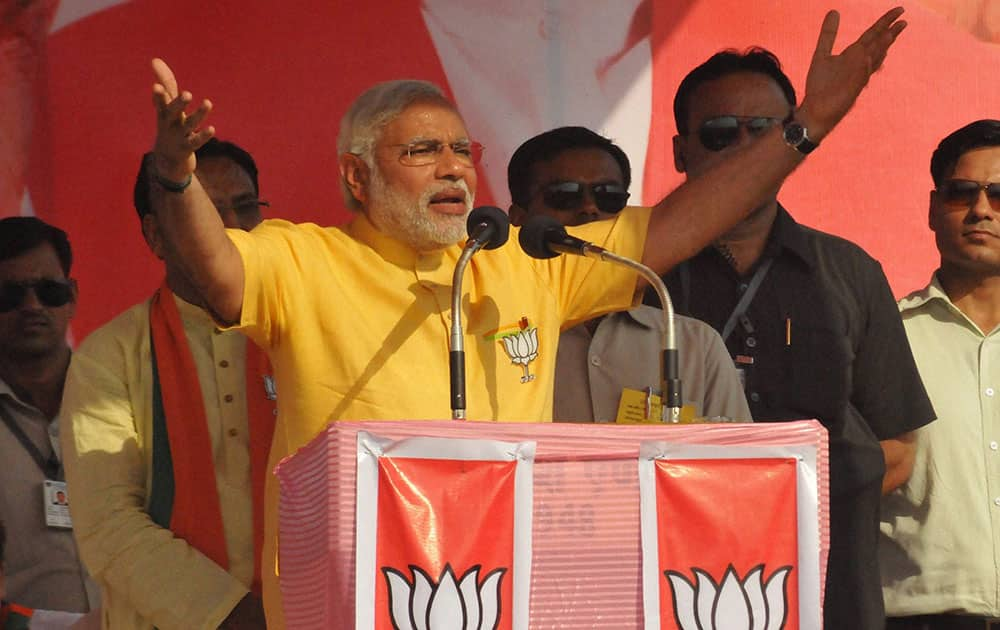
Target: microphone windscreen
{"x":496,"y":219}
{"x":535,"y":235}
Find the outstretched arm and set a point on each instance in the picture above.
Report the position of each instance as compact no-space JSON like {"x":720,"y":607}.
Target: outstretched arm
{"x":194,"y":235}
{"x":706,"y":206}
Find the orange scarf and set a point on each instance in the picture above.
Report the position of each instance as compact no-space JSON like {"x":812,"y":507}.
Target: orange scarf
{"x":193,"y":510}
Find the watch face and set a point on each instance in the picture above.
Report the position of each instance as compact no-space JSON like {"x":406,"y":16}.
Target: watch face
{"x":794,"y":133}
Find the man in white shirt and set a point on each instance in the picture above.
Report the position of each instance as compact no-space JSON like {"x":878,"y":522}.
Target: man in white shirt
{"x":940,"y":552}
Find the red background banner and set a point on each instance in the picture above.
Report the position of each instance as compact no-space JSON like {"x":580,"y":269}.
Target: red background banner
{"x":75,"y":112}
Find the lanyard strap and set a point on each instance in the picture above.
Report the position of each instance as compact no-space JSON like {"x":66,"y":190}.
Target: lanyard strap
{"x":49,"y":466}
{"x":744,"y":303}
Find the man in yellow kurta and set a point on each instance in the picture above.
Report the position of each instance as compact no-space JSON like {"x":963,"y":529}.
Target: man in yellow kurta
{"x":147,"y":538}
{"x":355,"y":319}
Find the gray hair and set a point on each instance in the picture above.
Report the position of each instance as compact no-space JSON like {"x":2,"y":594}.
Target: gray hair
{"x":371,"y":112}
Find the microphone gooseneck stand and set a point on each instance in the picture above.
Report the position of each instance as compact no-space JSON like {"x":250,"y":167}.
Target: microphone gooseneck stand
{"x":488,"y":228}
{"x":456,"y":352}
{"x":545,"y":237}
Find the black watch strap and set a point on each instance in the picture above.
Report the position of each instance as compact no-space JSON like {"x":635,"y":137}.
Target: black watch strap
{"x":797,"y":137}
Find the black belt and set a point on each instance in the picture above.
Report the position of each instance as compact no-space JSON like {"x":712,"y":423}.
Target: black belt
{"x":943,"y":622}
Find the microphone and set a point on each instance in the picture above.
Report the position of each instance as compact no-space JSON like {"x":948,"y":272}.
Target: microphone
{"x":544,"y":237}
{"x":488,"y":228}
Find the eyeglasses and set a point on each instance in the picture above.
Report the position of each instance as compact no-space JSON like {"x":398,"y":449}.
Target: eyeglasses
{"x":426,"y":152}
{"x":51,"y":293}
{"x":718,"y":133}
{"x":964,"y":193}
{"x":610,"y":198}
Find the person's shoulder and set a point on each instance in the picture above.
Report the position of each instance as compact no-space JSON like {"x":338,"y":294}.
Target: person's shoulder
{"x":688,"y":328}
{"x":284,"y":231}
{"x":694,"y":326}
{"x":124,"y":329}
{"x":697,"y":332}
{"x":915,"y":302}
{"x":825,"y":242}
{"x":837,"y":257}
{"x":284,"y":226}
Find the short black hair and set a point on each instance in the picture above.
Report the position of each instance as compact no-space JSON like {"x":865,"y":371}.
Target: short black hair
{"x":213,"y":148}
{"x":23,"y":234}
{"x":546,"y":146}
{"x":722,"y":64}
{"x":982,"y":133}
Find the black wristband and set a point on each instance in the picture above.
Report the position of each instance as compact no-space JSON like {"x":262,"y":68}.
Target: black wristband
{"x":174,"y":187}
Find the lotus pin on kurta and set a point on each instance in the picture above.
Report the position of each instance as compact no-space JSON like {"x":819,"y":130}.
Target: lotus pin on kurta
{"x":522,"y":348}
{"x":451,"y":604}
{"x":750,"y":604}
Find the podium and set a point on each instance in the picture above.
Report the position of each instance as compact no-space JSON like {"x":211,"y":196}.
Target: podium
{"x":629,"y":526}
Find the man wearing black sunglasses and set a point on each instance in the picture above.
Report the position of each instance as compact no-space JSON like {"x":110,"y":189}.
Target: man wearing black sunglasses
{"x":808,"y":319}
{"x":571,"y":174}
{"x":940,"y":553}
{"x":200,"y":401}
{"x":577,"y":176}
{"x":37,"y":302}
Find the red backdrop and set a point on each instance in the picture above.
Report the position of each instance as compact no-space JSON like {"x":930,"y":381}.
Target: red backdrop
{"x":75,"y":112}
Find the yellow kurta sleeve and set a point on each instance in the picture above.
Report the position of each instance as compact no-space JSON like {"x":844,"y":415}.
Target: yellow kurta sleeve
{"x":587,"y":288}
{"x":148,"y":576}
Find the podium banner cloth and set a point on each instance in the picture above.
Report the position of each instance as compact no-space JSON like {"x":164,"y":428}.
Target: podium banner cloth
{"x":729,"y":537}
{"x":447,"y":524}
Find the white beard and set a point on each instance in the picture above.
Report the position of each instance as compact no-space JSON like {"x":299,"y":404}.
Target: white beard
{"x":412,"y":222}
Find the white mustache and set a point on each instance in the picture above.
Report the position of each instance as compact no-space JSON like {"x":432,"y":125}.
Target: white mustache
{"x":435,"y":188}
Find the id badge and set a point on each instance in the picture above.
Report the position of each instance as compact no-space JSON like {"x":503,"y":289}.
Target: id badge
{"x":645,"y":407}
{"x":56,"y":505}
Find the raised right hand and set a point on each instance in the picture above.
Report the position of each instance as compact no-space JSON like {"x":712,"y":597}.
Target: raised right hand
{"x":178,"y":133}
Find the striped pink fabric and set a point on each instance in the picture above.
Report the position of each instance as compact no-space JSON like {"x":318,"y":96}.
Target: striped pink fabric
{"x":586,"y":549}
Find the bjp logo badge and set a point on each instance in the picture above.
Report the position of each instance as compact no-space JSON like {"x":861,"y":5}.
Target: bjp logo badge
{"x":520,"y":342}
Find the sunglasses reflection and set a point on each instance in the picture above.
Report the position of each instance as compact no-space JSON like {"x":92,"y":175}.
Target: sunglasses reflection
{"x":609,"y":198}
{"x":715,"y":134}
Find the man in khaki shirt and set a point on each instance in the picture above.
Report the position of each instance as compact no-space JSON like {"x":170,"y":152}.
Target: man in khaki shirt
{"x":576,"y":176}
{"x":37,"y":302}
{"x":151,"y":575}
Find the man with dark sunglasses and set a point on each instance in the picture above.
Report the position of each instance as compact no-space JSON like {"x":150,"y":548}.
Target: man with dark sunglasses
{"x":808,"y":318}
{"x":940,"y":551}
{"x":577,"y":176}
{"x":168,"y":424}
{"x":37,"y":302}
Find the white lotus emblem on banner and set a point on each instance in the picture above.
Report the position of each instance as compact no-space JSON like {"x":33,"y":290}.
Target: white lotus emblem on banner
{"x":522,"y":348}
{"x":463,"y":604}
{"x":750,"y":604}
